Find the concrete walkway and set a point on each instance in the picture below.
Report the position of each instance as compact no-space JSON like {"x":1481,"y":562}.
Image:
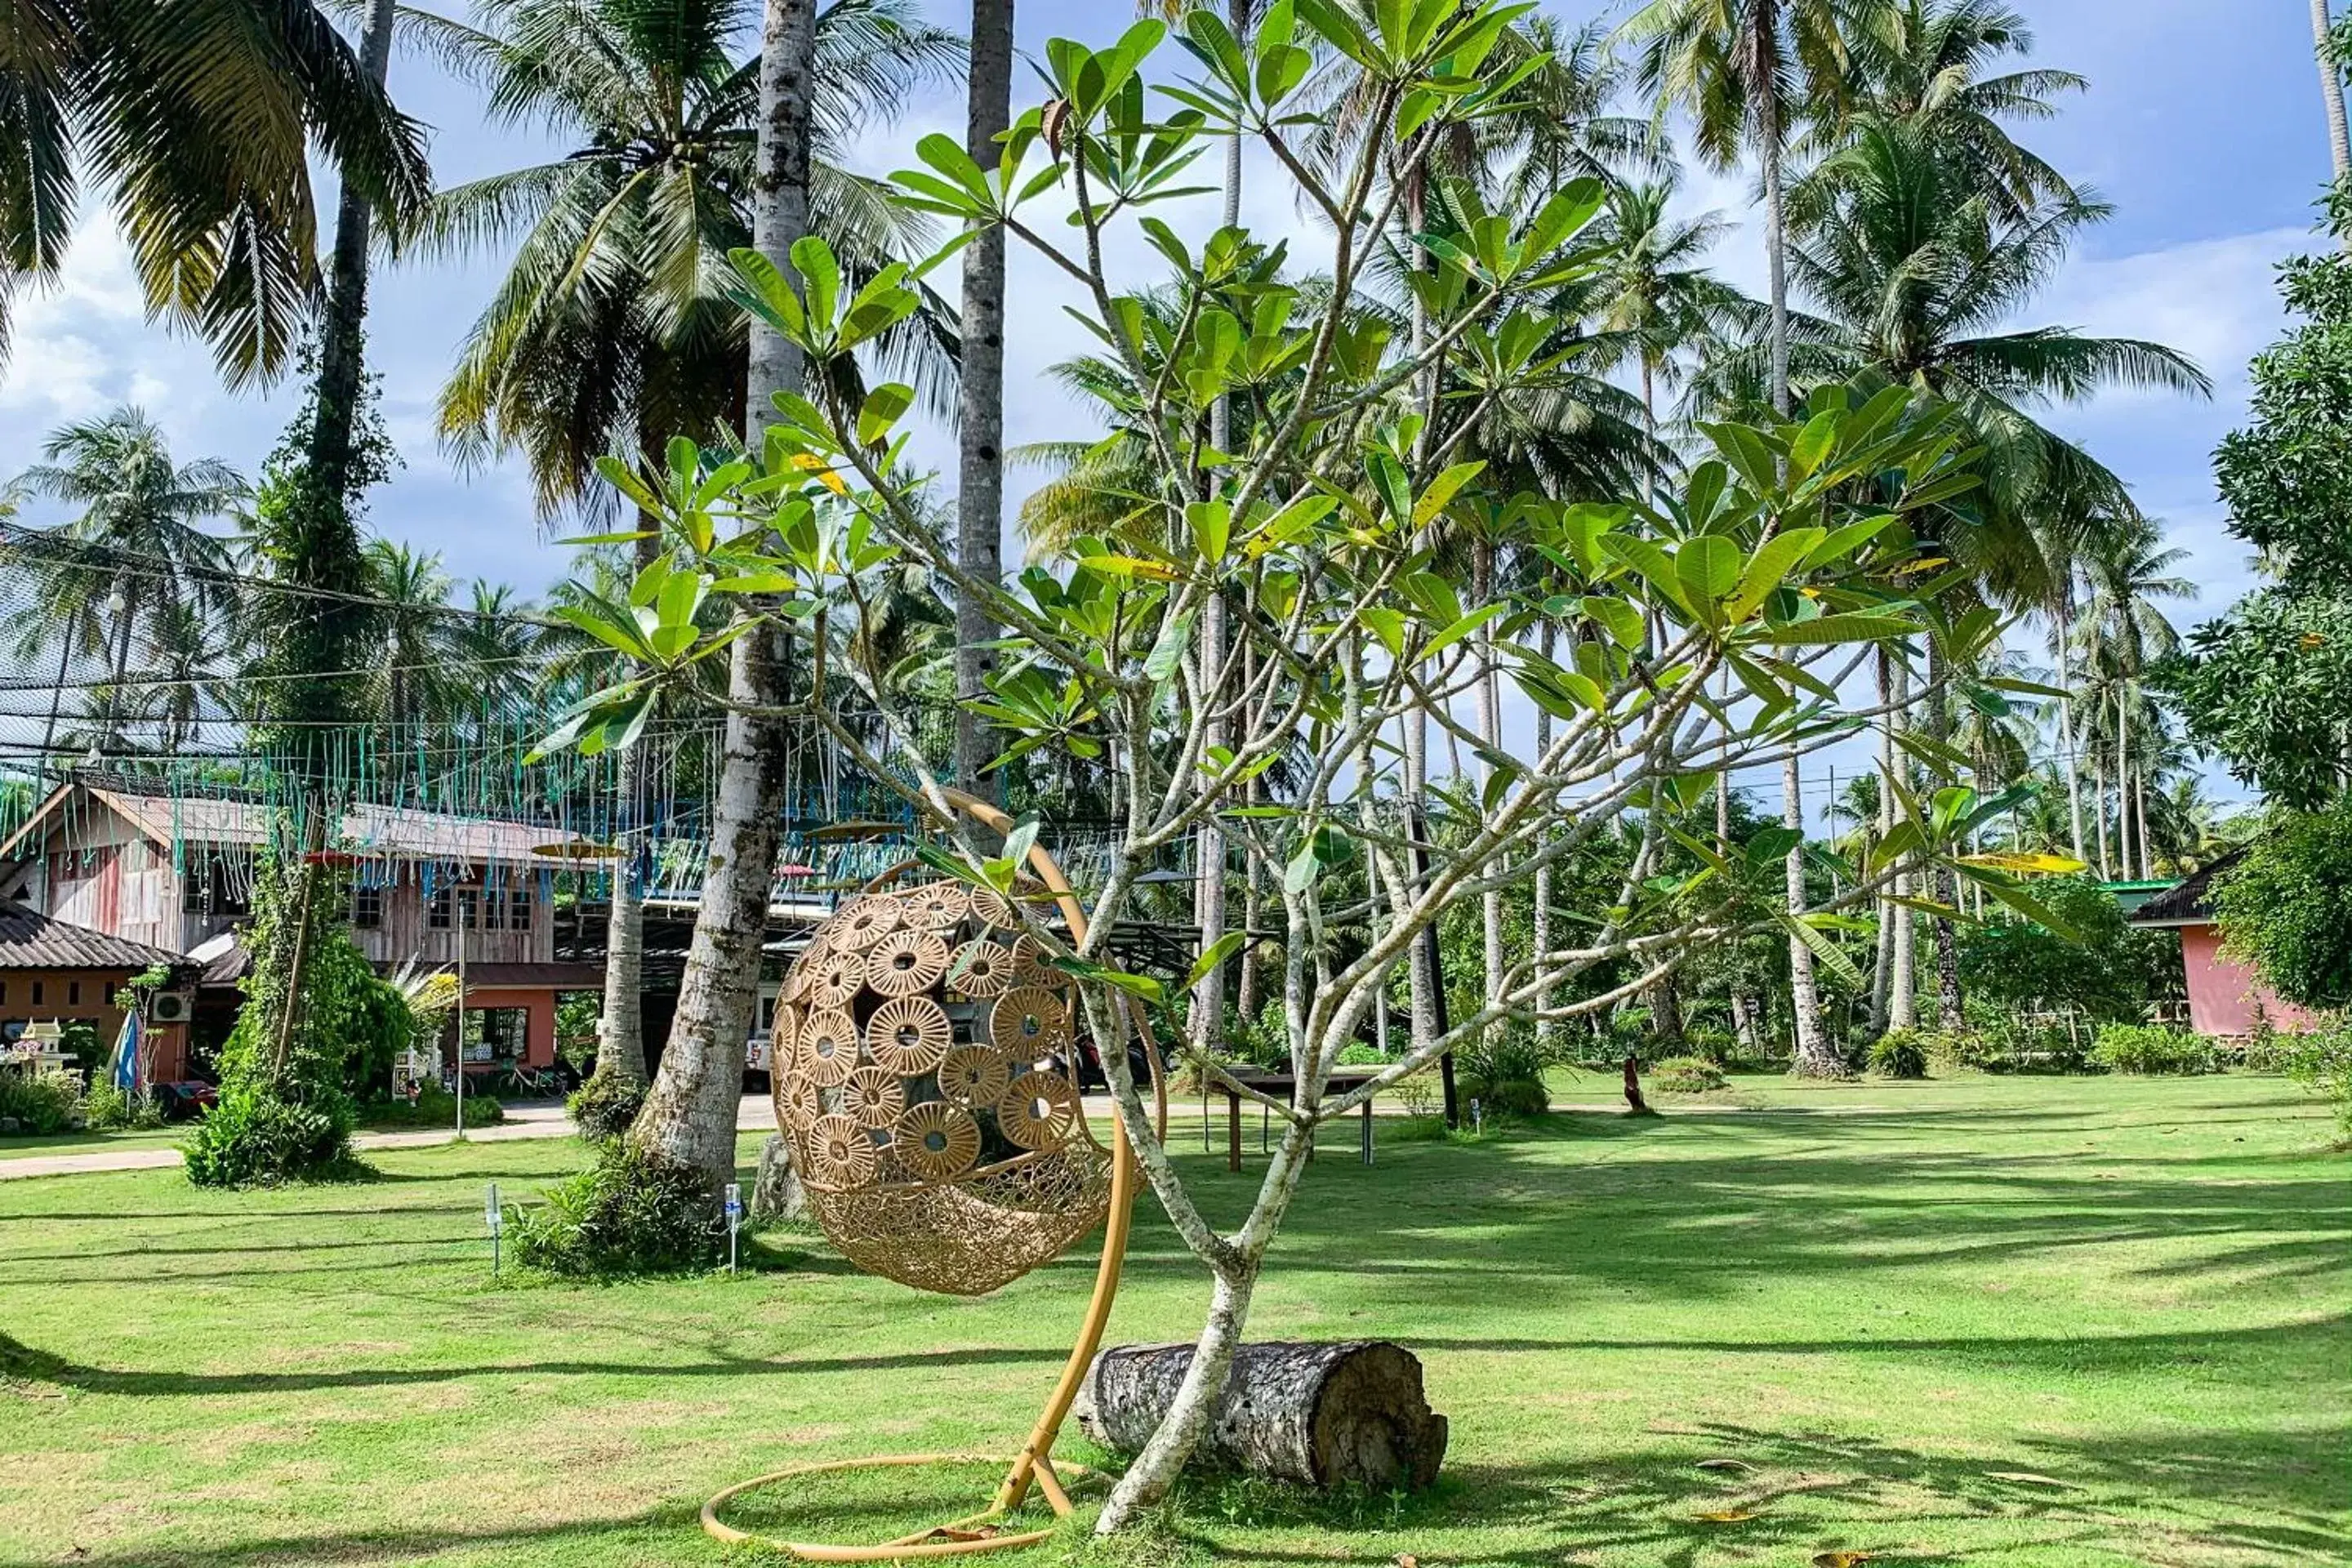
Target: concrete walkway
{"x":535,"y":1120}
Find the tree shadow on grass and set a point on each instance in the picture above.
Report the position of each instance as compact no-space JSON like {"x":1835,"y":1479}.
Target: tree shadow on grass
{"x":27,"y":1363}
{"x":1779,"y":1496}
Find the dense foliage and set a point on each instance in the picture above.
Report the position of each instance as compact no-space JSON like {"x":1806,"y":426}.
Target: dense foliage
{"x":2099,"y":966}
{"x":286,"y":1109}
{"x":2270,"y":685}
{"x":2153,"y":1048}
{"x":2287,"y":907}
{"x":631,"y":1213}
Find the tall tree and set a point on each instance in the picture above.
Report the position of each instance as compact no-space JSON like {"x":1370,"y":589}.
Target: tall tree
{"x":142,"y":547}
{"x":980,"y":404}
{"x":688,"y":1119}
{"x":201,"y":116}
{"x":2331,"y":91}
{"x":1736,"y":66}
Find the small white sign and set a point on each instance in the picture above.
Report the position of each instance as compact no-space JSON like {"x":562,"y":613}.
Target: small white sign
{"x":491,"y":1213}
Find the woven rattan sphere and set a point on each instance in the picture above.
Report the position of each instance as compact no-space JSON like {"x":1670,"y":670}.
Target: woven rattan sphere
{"x":927,"y":1090}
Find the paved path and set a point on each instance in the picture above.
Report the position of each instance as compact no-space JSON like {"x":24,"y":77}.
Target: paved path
{"x":536,"y":1120}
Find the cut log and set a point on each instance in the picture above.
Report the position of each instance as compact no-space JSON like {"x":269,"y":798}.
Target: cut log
{"x":1317,"y":1414}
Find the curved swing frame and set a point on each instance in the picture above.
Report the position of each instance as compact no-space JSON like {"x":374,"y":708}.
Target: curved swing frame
{"x":1034,"y":1466}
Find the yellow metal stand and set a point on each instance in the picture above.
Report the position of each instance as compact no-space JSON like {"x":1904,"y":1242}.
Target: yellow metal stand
{"x":1034,"y":1466}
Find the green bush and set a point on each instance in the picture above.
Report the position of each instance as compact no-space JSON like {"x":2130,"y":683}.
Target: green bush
{"x":40,"y":1102}
{"x":1505,"y":1096}
{"x":1899,"y":1053}
{"x":631,"y":1213}
{"x":78,"y":1038}
{"x":1686,"y":1075}
{"x":2153,"y":1048}
{"x":1720,"y":1046}
{"x":252,"y":1137}
{"x":2106,"y":969}
{"x":2322,"y":1062}
{"x":2284,"y":907}
{"x":1361,"y":1054}
{"x":435,"y":1107}
{"x":107,"y":1108}
{"x":604,"y":1107}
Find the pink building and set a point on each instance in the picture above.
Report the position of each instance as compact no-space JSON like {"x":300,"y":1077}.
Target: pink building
{"x":2224,"y":996}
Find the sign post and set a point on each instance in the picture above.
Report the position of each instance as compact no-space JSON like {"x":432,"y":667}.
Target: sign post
{"x":496,"y":1220}
{"x":734,"y":1220}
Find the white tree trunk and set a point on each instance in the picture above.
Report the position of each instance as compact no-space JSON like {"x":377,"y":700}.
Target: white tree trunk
{"x":1903,"y":981}
{"x":1882,"y":968}
{"x":1155,"y":1470}
{"x":2331,"y":93}
{"x":2066,"y":730}
{"x":620,"y":1033}
{"x":690,"y":1113}
{"x":1490,"y":731}
{"x":1814,"y":1058}
{"x":1776,"y":246}
{"x":979,"y":402}
{"x":1547,"y":1029}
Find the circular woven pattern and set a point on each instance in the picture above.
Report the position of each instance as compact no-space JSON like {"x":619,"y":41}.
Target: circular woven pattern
{"x":1030,"y":968}
{"x":828,"y":1049}
{"x":937,"y":1141}
{"x":990,"y":909}
{"x":873,"y":1096}
{"x":981,"y":968}
{"x":906,"y":961}
{"x":783,"y":1034}
{"x":841,"y":1152}
{"x":935,"y":906}
{"x":838,"y":976}
{"x":797,"y":980}
{"x":798,"y":1102}
{"x":1028,"y":1022}
{"x":909,"y":1035}
{"x":1038,"y":1111}
{"x":864,"y":918}
{"x":974,"y":1076}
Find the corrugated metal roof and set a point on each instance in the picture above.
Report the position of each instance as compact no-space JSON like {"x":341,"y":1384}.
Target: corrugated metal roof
{"x":30,"y":941}
{"x":393,"y":832}
{"x":2185,"y":902}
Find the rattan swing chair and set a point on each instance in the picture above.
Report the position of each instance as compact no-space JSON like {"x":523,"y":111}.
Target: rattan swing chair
{"x":924,"y":1078}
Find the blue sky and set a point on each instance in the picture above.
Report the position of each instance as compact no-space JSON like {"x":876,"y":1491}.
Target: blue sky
{"x":2202,"y":125}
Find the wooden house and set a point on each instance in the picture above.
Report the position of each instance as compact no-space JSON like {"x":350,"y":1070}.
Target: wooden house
{"x":175,"y":873}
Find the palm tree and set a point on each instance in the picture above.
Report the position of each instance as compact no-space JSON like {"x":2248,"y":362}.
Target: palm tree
{"x":1926,"y":63}
{"x":611,"y":331}
{"x":980,"y":408}
{"x":138,"y":532}
{"x":2331,"y":92}
{"x":200,"y":119}
{"x":2124,"y":632}
{"x":412,"y":594}
{"x":1652,"y":293}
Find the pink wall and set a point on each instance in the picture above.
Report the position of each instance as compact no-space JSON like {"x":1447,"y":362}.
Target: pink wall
{"x":538,"y":1002}
{"x":2222,"y":993}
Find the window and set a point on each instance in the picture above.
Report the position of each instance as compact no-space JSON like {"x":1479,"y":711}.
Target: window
{"x":216,"y":887}
{"x":519,"y":910}
{"x":73,"y":992}
{"x":36,"y":993}
{"x":367,"y":907}
{"x":437,"y":916}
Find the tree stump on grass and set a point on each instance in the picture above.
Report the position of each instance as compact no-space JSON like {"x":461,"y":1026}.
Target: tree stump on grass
{"x":1317,"y":1413}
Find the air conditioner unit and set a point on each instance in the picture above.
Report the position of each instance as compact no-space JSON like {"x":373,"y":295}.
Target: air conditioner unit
{"x":168,"y":1007}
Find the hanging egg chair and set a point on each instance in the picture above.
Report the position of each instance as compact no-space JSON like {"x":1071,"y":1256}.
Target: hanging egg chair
{"x":926,"y":1057}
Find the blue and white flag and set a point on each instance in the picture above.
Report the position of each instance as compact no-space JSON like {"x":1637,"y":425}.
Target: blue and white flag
{"x":126,"y":1054}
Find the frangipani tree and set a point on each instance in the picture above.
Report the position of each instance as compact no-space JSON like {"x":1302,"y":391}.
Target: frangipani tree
{"x":1777,"y":562}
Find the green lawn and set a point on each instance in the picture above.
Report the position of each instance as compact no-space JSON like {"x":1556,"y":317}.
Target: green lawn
{"x":1986,"y":1321}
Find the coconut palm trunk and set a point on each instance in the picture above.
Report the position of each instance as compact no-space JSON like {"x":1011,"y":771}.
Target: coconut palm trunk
{"x":1490,"y":731}
{"x":688,"y":1118}
{"x":1903,"y":967}
{"x":2060,"y":611}
{"x":1946,"y":884}
{"x":980,"y":399}
{"x":1548,"y":1029}
{"x":1881,"y":969}
{"x":2331,"y":93}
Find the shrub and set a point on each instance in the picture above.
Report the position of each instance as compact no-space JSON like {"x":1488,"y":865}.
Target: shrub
{"x":1361,"y":1054}
{"x":1686,"y":1075}
{"x":78,"y":1038}
{"x":1720,"y":1046}
{"x":2153,"y":1048}
{"x":436,"y":1107}
{"x":2283,"y":907}
{"x":604,"y":1107}
{"x":631,"y":1213}
{"x":252,"y":1136}
{"x":107,"y":1108}
{"x":2107,"y":969}
{"x":2321,"y":1061}
{"x":1899,"y":1053}
{"x":40,"y":1102}
{"x":1505,"y":1096}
